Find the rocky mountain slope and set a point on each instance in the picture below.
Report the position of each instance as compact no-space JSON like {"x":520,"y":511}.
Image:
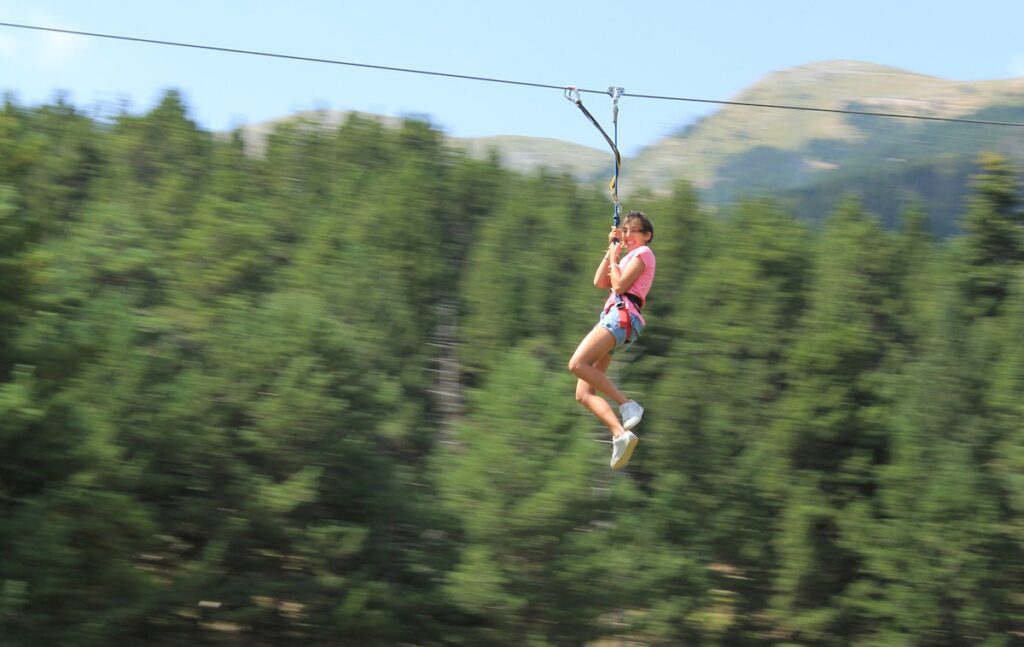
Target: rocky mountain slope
{"x":703,"y":150}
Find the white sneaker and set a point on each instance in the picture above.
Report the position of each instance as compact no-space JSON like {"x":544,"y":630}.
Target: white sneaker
{"x":631,"y":413}
{"x":622,"y":449}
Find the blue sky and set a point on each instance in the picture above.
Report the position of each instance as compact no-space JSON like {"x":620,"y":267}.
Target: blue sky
{"x":706,"y":49}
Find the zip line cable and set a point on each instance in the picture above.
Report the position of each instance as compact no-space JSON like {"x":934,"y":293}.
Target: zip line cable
{"x":866,"y":113}
{"x":291,"y":57}
{"x":468,"y":77}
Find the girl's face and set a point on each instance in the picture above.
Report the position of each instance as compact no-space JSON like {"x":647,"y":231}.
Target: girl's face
{"x":633,"y":234}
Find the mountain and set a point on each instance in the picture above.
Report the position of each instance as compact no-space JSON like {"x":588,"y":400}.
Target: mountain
{"x":809,"y":158}
{"x":792,"y":148}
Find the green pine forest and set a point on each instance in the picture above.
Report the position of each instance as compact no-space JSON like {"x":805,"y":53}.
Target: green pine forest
{"x":319,"y":396}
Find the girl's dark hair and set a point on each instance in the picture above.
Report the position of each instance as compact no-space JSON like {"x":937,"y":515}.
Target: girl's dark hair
{"x":642,"y":217}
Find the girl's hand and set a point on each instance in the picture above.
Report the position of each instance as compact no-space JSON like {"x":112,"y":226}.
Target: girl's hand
{"x":614,"y":249}
{"x":614,"y":235}
{"x":614,"y":244}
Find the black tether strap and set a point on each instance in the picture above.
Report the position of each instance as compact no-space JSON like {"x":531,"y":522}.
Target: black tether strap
{"x":572,"y":94}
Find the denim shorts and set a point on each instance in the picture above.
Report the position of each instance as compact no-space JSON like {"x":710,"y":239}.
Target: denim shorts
{"x":610,"y":321}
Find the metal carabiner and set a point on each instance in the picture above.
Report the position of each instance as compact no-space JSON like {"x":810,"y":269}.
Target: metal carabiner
{"x":615,"y":93}
{"x":572,"y":94}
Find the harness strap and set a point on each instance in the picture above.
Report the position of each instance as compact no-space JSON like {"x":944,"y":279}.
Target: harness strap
{"x":624,"y":320}
{"x":620,"y":304}
{"x":572,"y":94}
{"x":616,"y":92}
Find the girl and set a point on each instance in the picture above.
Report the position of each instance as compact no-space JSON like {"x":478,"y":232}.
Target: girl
{"x":620,"y":324}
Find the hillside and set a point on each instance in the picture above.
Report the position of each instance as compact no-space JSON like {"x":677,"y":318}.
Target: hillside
{"x":703,"y":150}
{"x":811,"y":158}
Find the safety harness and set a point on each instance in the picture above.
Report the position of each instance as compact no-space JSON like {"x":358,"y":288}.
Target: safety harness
{"x":620,"y":305}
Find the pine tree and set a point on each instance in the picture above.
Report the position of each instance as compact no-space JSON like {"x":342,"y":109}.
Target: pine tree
{"x":934,"y":547}
{"x":829,"y":436}
{"x":993,"y":241}
{"x":530,"y":271}
{"x":544,"y":552}
{"x":725,"y":373}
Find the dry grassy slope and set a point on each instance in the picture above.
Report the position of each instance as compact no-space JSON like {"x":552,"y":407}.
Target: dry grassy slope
{"x":832,"y":84}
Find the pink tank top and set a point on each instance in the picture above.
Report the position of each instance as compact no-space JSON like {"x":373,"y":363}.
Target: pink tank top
{"x":642,"y":285}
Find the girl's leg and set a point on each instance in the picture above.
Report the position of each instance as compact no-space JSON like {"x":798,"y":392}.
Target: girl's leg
{"x":588,"y":397}
{"x":598,"y":343}
{"x":589,"y":363}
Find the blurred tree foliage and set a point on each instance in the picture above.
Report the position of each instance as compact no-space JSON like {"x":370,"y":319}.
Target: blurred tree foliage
{"x":319,"y":395}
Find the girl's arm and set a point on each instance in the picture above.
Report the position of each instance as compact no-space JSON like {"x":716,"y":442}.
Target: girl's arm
{"x":620,"y":281}
{"x":601,"y":279}
{"x":611,"y":257}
